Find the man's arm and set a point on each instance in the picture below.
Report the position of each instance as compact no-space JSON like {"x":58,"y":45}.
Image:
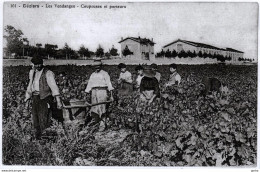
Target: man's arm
{"x":28,"y":92}
{"x":54,"y":88}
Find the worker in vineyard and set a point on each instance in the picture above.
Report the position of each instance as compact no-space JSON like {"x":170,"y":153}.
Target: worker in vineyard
{"x":41,"y":89}
{"x":213,"y":86}
{"x":149,"y":87}
{"x":98,"y":86}
{"x":175,"y":78}
{"x":140,"y":74}
{"x":125,"y":81}
{"x":157,"y":74}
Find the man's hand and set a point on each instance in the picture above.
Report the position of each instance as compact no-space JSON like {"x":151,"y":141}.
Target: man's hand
{"x":111,"y":98}
{"x":59,"y":104}
{"x":26,"y":99}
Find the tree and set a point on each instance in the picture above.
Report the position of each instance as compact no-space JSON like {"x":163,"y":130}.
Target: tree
{"x":83,"y":52}
{"x":174,"y":54}
{"x":68,"y":52}
{"x":205,"y":55}
{"x":113,"y":51}
{"x":200,"y":54}
{"x":161,"y":54}
{"x":126,"y":51}
{"x":182,"y":53}
{"x":50,"y":50}
{"x":38,"y":45}
{"x":99,"y":52}
{"x":189,"y":53}
{"x":15,"y":42}
{"x":194,"y":54}
{"x":168,"y":53}
{"x":107,"y":54}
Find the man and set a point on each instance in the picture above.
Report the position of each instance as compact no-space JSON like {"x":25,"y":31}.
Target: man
{"x":125,"y":81}
{"x":99,"y":84}
{"x":155,"y":69}
{"x":175,"y":78}
{"x":140,"y":71}
{"x":41,"y":89}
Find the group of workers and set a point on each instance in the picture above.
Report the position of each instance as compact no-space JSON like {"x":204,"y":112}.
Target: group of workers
{"x":42,"y":89}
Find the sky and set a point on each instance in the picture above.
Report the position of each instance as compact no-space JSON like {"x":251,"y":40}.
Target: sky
{"x":233,"y":25}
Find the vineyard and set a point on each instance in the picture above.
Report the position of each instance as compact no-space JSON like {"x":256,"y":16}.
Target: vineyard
{"x":179,"y":129}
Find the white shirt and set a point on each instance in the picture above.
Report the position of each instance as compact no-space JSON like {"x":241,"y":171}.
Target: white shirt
{"x":127,"y":76}
{"x":138,"y":80}
{"x":99,"y":79}
{"x":158,"y":76}
{"x":174,"y":77}
{"x":35,"y":86}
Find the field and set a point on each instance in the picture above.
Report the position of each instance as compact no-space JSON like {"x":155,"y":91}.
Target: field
{"x":182,"y":129}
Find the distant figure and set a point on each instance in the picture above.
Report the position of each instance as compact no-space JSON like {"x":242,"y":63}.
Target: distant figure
{"x":213,"y":85}
{"x":125,"y":81}
{"x":157,"y":74}
{"x":42,"y":89}
{"x":175,"y":78}
{"x":99,"y":84}
{"x":149,"y":87}
{"x":140,"y":71}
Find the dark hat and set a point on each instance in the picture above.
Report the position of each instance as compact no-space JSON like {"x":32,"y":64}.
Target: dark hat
{"x":154,"y":66}
{"x":148,"y":72}
{"x":121,"y":65}
{"x":173,"y":65}
{"x":139,"y":67}
{"x":37,"y":60}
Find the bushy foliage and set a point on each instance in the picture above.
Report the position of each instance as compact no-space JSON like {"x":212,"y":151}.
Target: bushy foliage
{"x":180,"y":128}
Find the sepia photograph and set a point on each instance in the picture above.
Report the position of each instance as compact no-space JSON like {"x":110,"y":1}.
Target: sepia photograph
{"x":129,"y":84}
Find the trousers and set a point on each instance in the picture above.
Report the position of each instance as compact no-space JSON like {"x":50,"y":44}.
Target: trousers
{"x":41,"y":113}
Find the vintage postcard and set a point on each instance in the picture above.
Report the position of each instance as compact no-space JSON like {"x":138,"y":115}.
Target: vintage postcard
{"x":140,"y":84}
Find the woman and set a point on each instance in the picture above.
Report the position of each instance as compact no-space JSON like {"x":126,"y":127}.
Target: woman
{"x":149,"y":87}
{"x":125,"y":81}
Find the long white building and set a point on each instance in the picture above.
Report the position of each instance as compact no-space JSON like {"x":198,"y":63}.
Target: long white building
{"x":180,"y":45}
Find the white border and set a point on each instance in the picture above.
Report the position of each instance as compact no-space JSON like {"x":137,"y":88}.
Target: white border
{"x":113,"y":169}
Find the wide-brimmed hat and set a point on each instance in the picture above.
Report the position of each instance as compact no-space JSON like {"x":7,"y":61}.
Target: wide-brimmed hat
{"x":173,"y":65}
{"x":121,"y":65}
{"x":153,"y":65}
{"x":37,"y":60}
{"x":139,"y":67}
{"x":148,"y":72}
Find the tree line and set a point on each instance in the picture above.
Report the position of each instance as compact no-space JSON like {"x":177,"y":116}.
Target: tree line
{"x":17,"y":45}
{"x":184,"y":54}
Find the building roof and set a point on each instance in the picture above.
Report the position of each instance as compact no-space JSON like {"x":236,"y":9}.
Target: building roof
{"x":231,"y":49}
{"x":144,"y":41}
{"x":197,"y":44}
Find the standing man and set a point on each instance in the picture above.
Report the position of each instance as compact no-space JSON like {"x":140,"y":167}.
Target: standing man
{"x":155,"y":69}
{"x":41,"y":89}
{"x":98,"y":86}
{"x":175,"y":78}
{"x":140,"y":71}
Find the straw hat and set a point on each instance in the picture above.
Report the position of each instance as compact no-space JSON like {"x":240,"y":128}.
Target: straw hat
{"x":148,"y":72}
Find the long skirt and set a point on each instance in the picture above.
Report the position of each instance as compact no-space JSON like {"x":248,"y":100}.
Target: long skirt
{"x":41,"y":113}
{"x":97,"y":96}
{"x":125,"y":89}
